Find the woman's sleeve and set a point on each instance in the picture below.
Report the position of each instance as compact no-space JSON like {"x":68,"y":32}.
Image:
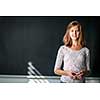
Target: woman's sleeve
{"x":59,"y":58}
{"x":88,"y":60}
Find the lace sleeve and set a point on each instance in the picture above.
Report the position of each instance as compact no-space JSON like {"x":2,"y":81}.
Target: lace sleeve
{"x":88,"y":59}
{"x":59,"y":58}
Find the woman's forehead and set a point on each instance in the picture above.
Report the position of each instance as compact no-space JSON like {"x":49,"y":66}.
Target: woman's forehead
{"x":74,"y":27}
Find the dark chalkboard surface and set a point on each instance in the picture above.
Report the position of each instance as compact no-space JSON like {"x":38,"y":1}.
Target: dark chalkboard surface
{"x":36,"y":39}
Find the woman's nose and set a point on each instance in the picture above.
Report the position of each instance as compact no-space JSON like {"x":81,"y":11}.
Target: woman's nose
{"x":75,"y":32}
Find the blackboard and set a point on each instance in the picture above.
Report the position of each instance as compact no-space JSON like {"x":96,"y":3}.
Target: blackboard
{"x":36,"y":39}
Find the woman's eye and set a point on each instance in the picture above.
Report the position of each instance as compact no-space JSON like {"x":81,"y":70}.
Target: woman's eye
{"x":71,"y":30}
{"x":77,"y":30}
{"x":74,"y":30}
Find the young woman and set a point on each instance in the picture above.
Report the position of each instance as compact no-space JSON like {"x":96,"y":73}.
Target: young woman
{"x":74,"y":55}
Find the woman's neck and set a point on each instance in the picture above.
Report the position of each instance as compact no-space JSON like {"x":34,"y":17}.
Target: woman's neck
{"x":76,"y":45}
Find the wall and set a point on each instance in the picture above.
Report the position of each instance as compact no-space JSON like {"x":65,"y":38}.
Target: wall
{"x":37,"y":39}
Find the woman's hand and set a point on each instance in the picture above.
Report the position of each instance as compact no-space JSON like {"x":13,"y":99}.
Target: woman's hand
{"x":71,"y":74}
{"x":80,"y":74}
{"x":75,"y":75}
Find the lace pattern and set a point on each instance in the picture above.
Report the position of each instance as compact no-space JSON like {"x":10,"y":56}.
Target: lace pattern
{"x":74,"y":60}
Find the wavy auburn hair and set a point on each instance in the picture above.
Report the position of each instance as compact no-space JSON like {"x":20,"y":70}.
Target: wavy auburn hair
{"x":67,"y":40}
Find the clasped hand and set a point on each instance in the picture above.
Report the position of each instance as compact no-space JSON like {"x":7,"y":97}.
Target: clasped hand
{"x":76,"y":75}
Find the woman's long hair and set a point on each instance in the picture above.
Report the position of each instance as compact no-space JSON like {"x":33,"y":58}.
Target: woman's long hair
{"x":67,"y":39}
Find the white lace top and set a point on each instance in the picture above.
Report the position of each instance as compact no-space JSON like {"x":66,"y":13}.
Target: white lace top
{"x":73,"y":60}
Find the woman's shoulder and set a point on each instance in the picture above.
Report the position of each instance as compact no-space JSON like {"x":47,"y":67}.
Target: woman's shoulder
{"x":63,"y":47}
{"x":86,"y":49}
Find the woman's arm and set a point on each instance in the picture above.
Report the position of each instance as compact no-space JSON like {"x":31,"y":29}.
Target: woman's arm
{"x":65,"y":72}
{"x":59,"y":72}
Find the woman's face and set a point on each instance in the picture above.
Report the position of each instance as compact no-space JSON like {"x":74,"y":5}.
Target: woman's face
{"x":74,"y":32}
